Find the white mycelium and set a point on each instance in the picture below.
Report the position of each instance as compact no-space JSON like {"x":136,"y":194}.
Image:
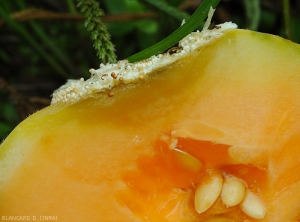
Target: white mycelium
{"x":110,"y":75}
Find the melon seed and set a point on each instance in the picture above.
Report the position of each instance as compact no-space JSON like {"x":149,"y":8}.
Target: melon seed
{"x":233,"y":191}
{"x":206,"y":194}
{"x":187,"y":160}
{"x":253,"y":206}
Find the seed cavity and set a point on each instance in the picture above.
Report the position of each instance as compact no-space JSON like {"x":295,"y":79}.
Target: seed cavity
{"x":206,"y":194}
{"x":253,"y":206}
{"x":219,"y":193}
{"x":233,"y":191}
{"x":187,"y":161}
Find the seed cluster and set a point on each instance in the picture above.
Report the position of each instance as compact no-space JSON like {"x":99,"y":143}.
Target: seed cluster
{"x":230,"y":190}
{"x":111,"y":75}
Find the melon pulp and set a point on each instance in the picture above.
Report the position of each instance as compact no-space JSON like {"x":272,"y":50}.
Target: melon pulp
{"x":231,"y":107}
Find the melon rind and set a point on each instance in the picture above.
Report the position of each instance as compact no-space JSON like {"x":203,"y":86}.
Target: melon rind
{"x":102,"y":79}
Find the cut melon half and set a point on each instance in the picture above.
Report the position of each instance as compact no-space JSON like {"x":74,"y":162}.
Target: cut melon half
{"x":209,"y":133}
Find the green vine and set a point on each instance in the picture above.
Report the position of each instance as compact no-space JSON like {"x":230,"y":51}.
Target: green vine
{"x":93,"y":23}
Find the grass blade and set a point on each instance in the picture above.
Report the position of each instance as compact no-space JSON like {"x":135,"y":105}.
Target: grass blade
{"x":192,"y":23}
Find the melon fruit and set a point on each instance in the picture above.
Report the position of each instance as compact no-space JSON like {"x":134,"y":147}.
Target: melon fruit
{"x":209,"y":133}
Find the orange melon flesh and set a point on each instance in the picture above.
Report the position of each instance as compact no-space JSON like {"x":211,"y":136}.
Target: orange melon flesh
{"x":233,"y":104}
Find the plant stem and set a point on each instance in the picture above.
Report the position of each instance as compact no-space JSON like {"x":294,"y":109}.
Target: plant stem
{"x":253,"y":13}
{"x":287,"y":20}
